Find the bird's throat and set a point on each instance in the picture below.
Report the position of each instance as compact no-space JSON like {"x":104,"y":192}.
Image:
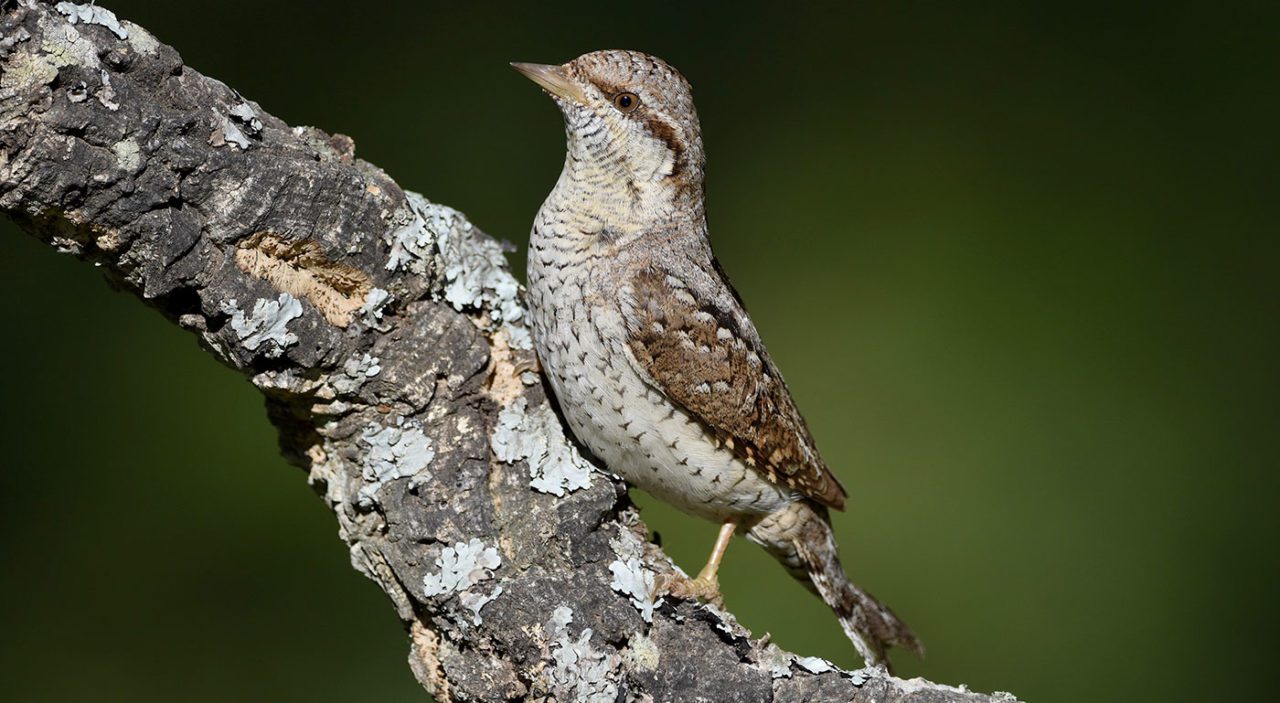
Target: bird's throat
{"x":613,"y":196}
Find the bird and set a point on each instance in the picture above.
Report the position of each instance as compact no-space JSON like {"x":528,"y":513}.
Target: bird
{"x":648,"y":348}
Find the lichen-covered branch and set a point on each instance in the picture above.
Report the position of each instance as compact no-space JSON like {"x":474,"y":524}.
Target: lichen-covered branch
{"x":385,"y":332}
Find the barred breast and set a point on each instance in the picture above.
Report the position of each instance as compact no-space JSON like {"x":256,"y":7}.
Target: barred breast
{"x":634,"y":429}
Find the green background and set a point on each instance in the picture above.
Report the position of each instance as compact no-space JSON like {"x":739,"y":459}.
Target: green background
{"x":1018,"y":263}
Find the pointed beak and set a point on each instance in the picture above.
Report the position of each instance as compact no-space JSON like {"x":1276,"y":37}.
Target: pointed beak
{"x":553,"y":79}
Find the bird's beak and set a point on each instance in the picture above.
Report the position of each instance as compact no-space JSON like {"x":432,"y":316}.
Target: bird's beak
{"x":553,"y":79}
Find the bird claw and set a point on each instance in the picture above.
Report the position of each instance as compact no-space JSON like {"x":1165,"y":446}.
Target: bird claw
{"x":704,"y":588}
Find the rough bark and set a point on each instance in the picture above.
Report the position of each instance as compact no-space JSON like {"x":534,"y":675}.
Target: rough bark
{"x":385,"y":332}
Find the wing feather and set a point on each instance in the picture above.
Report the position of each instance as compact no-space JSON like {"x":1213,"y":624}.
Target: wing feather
{"x":690,"y":333}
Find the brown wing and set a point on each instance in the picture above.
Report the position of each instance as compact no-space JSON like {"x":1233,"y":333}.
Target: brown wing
{"x":692,"y":336}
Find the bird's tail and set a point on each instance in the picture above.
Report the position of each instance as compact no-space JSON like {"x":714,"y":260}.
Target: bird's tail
{"x":800,"y":537}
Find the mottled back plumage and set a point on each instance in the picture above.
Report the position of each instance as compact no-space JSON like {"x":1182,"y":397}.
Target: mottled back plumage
{"x":650,"y":352}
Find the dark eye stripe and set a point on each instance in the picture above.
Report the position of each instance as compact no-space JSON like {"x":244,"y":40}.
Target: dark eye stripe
{"x":663,"y":130}
{"x":655,"y":125}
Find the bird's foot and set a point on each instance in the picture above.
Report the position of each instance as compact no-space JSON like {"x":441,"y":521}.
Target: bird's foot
{"x":705,"y":588}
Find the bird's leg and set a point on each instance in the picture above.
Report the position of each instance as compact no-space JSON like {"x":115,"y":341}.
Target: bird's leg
{"x":706,"y":586}
{"x":708,"y":575}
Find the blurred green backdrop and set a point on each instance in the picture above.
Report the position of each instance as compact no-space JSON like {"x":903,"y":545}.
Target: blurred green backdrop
{"x":1018,"y":263}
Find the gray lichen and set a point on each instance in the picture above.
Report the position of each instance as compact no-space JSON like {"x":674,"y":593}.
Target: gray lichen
{"x":12,"y":39}
{"x":776,"y":661}
{"x":462,"y":566}
{"x":581,"y":673}
{"x":128,"y":154}
{"x":475,"y":601}
{"x":227,"y":133}
{"x":92,"y":14}
{"x":779,"y":663}
{"x":244,"y":114}
{"x":518,"y":336}
{"x":397,"y":451}
{"x":814,"y":665}
{"x":475,"y":268}
{"x":643,"y":653}
{"x":630,"y":578}
{"x":367,"y":366}
{"x":473,"y":265}
{"x":374,"y":302}
{"x":140,"y":39}
{"x":106,"y":94}
{"x":60,"y":46}
{"x":356,"y":371}
{"x":413,"y":242}
{"x":560,"y":619}
{"x":555,"y":465}
{"x":909,"y":687}
{"x":269,"y":322}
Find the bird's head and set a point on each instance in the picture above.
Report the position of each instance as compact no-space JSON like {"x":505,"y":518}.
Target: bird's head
{"x":629,"y":116}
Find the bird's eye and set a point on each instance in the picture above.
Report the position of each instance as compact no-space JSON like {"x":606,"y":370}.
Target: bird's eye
{"x":626,"y":102}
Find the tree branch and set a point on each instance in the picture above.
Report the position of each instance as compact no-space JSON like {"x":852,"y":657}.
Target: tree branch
{"x":385,"y":332}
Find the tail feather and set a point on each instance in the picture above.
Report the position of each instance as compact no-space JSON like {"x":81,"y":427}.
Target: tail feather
{"x":799,"y":536}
